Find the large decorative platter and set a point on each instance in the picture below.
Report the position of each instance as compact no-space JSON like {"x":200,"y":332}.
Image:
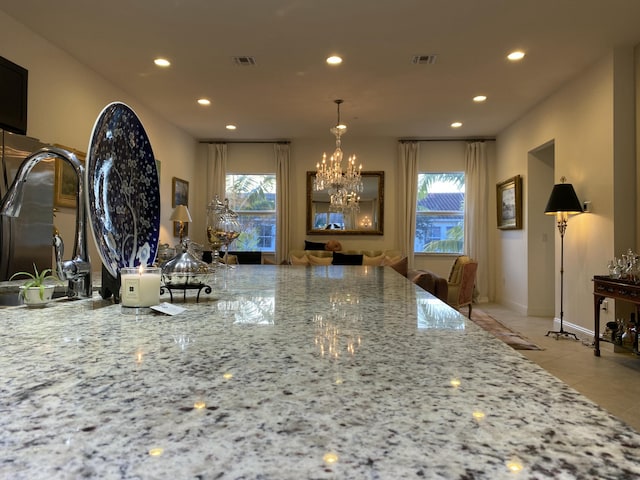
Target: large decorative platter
{"x":123,"y":192}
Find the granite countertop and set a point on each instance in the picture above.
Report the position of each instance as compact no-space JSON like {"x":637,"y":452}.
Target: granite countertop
{"x":289,"y":373}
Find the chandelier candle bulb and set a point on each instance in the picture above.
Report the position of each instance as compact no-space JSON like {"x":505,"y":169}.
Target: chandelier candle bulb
{"x":140,"y":287}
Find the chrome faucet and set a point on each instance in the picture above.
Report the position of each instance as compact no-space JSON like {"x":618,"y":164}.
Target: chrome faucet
{"x":77,"y":270}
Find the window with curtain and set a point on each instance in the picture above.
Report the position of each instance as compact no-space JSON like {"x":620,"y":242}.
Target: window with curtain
{"x":253,"y":198}
{"x":440,"y":213}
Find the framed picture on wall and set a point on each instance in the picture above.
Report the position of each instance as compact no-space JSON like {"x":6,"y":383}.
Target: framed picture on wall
{"x":179,"y":192}
{"x":65,"y":180}
{"x":509,"y":203}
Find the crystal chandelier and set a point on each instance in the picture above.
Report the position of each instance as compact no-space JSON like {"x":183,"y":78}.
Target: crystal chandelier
{"x":343,"y":186}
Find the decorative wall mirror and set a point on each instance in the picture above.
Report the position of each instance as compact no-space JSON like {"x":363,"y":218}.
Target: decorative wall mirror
{"x":368,"y":220}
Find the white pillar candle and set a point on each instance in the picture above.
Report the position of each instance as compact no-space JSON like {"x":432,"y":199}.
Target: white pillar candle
{"x":140,"y":287}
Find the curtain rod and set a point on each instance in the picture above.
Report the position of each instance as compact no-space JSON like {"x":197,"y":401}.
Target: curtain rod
{"x":281,"y":142}
{"x":406,"y":140}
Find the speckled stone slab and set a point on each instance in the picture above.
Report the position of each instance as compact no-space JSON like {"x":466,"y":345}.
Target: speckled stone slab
{"x":289,"y":373}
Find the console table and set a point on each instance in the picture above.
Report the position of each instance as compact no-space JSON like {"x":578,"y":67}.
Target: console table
{"x":618,"y":289}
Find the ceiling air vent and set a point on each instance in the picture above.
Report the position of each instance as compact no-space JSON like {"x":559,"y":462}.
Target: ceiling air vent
{"x":244,"y":61}
{"x":424,"y":59}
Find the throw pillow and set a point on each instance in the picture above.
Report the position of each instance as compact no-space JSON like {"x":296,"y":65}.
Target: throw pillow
{"x":333,"y":246}
{"x":456,"y":269}
{"x":314,"y":245}
{"x":346,"y":259}
{"x":390,"y":260}
{"x":373,"y":261}
{"x":299,"y":260}
{"x":399,"y":264}
{"x":229,"y":259}
{"x":313,"y":260}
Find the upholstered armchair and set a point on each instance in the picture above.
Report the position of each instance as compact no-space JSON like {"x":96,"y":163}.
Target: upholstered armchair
{"x":462,"y":281}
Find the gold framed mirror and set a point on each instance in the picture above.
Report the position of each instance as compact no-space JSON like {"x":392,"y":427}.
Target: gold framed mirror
{"x":368,"y":220}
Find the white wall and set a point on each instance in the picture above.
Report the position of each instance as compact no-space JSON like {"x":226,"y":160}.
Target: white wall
{"x":579,"y":118}
{"x":65,"y":99}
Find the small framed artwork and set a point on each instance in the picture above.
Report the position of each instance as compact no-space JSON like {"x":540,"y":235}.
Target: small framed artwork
{"x":509,"y":203}
{"x":179,"y":192}
{"x":65,"y":181}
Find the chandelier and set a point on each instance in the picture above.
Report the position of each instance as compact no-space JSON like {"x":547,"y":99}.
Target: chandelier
{"x":343,"y":187}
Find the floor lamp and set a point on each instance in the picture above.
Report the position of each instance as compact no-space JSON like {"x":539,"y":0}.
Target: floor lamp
{"x":562,"y":203}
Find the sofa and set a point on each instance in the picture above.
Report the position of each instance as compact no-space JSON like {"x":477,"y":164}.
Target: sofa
{"x":427,"y":280}
{"x":342,"y":257}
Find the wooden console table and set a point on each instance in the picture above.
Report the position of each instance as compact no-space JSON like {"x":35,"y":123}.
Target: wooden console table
{"x":618,"y":289}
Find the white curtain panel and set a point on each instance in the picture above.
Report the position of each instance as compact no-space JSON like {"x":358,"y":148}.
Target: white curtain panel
{"x":408,"y":193}
{"x":216,"y":170}
{"x":282,"y":154}
{"x":476,"y":220}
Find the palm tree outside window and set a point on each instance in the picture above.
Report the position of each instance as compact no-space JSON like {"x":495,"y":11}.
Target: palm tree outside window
{"x":440,"y":213}
{"x":253,"y":198}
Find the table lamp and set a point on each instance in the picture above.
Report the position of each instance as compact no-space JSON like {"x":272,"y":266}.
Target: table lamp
{"x":181,"y":214}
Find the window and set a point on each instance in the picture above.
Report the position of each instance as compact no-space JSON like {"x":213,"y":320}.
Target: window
{"x":327,"y":220}
{"x":253,"y":198}
{"x":440,"y":213}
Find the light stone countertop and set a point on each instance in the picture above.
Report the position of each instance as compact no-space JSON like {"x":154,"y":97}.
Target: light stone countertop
{"x":289,"y":373}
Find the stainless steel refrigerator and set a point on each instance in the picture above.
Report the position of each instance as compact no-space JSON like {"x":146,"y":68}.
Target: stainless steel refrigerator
{"x":26,"y":239}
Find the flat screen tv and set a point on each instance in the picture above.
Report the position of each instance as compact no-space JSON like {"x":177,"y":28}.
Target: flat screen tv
{"x":14,"y":80}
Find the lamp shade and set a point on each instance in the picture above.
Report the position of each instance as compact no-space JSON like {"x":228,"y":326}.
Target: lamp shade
{"x":563,"y":199}
{"x":181,"y":214}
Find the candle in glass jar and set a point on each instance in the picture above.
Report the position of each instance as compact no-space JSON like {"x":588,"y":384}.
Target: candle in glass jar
{"x":140,"y":287}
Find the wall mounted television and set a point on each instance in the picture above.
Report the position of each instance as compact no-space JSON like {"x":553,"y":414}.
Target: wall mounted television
{"x":14,"y":81}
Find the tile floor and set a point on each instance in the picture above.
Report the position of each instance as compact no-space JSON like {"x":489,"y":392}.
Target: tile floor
{"x":611,"y":380}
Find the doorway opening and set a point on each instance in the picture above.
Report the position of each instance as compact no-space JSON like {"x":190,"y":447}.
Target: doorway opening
{"x":541,"y":233}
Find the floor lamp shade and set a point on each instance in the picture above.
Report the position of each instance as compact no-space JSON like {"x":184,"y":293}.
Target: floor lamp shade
{"x":563,"y":199}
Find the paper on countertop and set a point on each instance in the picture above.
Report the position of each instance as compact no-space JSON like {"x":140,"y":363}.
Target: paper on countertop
{"x":168,"y":308}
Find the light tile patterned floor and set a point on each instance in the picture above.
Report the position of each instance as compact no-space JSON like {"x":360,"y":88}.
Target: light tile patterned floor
{"x":611,"y":380}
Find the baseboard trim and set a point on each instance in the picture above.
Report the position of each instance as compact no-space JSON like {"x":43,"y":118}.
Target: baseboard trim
{"x":572,"y":326}
{"x":516,"y":307}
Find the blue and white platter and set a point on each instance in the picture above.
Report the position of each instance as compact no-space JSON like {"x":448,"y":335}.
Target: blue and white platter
{"x":123,"y":191}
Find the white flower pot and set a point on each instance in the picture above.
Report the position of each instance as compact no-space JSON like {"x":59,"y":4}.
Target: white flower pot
{"x":32,"y":298}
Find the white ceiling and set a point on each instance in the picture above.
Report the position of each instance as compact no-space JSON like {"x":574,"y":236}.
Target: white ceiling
{"x":289,"y":93}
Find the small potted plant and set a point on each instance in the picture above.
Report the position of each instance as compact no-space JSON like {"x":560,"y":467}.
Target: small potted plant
{"x":38,"y":289}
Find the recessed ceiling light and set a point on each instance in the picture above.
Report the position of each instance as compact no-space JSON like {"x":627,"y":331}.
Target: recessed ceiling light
{"x":334,"y":60}
{"x":456,"y":124}
{"x":479,"y":98}
{"x":162,"y":62}
{"x":515,"y":56}
{"x":230,"y":127}
{"x":204,"y":101}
